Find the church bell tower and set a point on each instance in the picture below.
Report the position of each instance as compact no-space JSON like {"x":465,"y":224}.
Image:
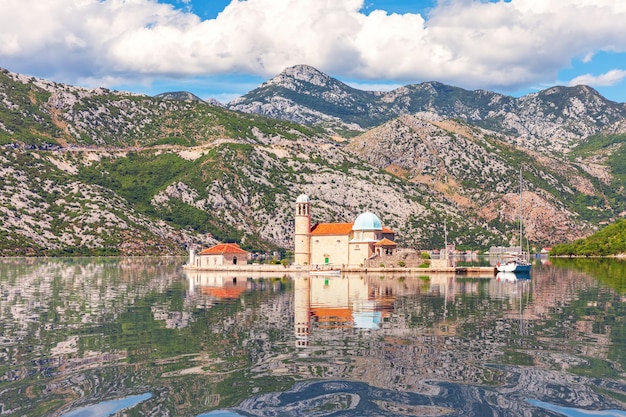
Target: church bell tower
{"x":302,"y":237}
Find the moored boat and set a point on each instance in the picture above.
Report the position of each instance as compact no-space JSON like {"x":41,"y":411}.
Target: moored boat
{"x":518,"y":264}
{"x":514,"y":265}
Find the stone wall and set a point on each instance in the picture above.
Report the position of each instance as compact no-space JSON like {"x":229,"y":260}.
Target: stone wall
{"x":406,"y":258}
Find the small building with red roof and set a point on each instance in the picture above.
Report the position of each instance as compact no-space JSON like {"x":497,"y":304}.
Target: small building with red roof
{"x":223,"y":254}
{"x":385,"y":247}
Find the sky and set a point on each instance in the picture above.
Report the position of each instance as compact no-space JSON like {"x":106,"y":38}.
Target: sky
{"x":222,"y":49}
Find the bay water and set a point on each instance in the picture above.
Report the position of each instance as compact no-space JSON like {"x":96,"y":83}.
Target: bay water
{"x":141,"y":336}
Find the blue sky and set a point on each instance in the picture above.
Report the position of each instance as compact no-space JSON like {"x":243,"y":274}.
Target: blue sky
{"x":222,"y":49}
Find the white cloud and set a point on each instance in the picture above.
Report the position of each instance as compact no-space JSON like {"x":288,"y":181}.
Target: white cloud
{"x":469,"y":43}
{"x":607,"y":79}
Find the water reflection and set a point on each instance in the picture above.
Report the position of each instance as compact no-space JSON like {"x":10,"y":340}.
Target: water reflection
{"x":350,"y":398}
{"x":79,"y":334}
{"x":576,"y":412}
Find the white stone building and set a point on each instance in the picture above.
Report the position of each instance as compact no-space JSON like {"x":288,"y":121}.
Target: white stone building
{"x":339,"y":244}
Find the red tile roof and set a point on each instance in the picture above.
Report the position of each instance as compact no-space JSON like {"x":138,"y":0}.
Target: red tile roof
{"x":387,"y":230}
{"x":385,"y":242}
{"x":332,"y":229}
{"x":223,"y":249}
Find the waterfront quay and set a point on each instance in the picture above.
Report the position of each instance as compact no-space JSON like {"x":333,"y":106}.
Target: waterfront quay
{"x":483,"y":271}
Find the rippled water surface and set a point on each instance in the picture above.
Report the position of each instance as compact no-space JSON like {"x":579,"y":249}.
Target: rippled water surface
{"x":140,"y":336}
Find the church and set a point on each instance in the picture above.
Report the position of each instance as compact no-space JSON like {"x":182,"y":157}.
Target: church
{"x":339,"y":244}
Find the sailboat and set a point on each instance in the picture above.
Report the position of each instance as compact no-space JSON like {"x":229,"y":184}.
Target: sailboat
{"x":517,"y":264}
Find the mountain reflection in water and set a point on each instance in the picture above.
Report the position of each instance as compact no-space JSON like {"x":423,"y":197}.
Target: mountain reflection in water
{"x":81,"y":334}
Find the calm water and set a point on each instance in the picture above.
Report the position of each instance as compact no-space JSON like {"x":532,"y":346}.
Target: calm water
{"x":96,"y":337}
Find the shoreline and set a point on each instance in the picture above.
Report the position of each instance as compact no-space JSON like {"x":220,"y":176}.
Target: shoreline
{"x":459,"y":270}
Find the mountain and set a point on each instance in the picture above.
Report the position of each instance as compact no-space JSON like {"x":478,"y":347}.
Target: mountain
{"x":477,"y":173}
{"x":554,"y":119}
{"x":179,"y":95}
{"x":302,"y":94}
{"x":80,"y":169}
{"x":95,"y":171}
{"x":187,"y":96}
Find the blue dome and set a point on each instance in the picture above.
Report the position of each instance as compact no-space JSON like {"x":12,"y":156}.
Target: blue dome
{"x":302,"y":198}
{"x":367,"y":221}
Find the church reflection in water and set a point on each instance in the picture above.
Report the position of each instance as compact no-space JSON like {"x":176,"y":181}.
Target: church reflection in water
{"x":354,"y":300}
{"x":335,"y":302}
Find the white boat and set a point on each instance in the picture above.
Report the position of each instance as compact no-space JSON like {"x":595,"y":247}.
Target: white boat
{"x":518,"y":264}
{"x":514,"y":265}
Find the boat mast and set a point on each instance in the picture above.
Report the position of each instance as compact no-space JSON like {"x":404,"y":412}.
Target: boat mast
{"x":521,"y":241}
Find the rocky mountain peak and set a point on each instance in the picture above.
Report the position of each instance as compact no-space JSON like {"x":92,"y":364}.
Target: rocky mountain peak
{"x":304,"y":78}
{"x":180,"y":95}
{"x":304,"y":73}
{"x":551,"y":120}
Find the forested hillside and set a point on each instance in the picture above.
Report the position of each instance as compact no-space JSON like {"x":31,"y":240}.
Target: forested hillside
{"x":610,"y":240}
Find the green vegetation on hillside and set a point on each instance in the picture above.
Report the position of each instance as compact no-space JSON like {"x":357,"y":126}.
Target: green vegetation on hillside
{"x":33,"y":116}
{"x":47,"y":212}
{"x":137,"y":177}
{"x":612,"y":150}
{"x":140,"y":176}
{"x":25,"y":119}
{"x":97,"y":171}
{"x":609,"y":241}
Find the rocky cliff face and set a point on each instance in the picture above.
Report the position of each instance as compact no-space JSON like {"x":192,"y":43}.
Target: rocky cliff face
{"x":98,"y":171}
{"x":478,"y":174}
{"x":46,"y":209}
